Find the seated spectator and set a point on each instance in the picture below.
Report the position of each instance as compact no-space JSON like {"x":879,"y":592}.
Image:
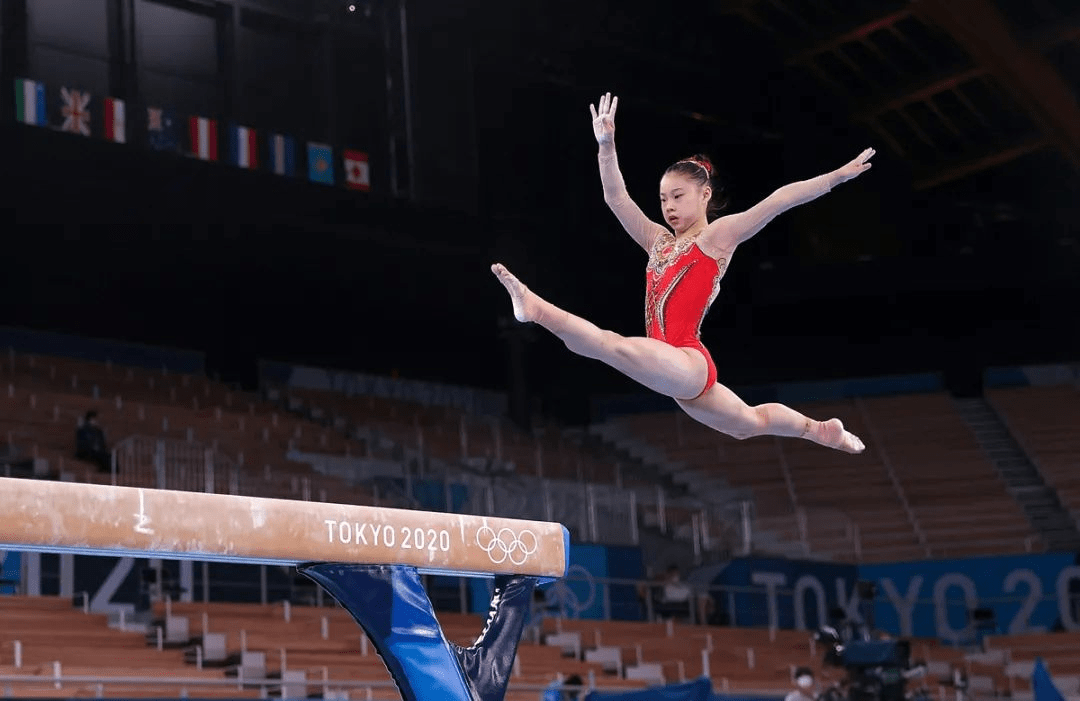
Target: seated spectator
{"x":804,"y":686}
{"x":90,"y":443}
{"x":568,"y":690}
{"x":672,"y":596}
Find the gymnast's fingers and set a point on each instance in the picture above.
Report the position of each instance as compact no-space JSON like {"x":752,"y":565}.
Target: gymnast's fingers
{"x":614,"y":106}
{"x":592,"y":108}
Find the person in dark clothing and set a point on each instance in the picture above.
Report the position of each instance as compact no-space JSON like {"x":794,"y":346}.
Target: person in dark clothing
{"x":568,"y":690}
{"x":90,"y":443}
{"x":673,"y":597}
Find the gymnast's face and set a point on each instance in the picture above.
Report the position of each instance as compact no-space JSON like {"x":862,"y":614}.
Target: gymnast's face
{"x":683,"y":201}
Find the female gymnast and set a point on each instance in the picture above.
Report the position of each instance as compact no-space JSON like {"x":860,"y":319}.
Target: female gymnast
{"x":682,"y":279}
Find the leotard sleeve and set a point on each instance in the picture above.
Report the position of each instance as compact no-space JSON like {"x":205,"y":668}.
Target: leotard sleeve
{"x":642,"y":229}
{"x":727,"y":232}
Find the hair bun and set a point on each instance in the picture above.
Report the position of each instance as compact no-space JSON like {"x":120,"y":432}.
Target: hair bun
{"x":704,"y":165}
{"x":703,"y":161}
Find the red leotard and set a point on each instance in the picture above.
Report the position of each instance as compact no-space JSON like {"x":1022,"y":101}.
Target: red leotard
{"x":681,"y":283}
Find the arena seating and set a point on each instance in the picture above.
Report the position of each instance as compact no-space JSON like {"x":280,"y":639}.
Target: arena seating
{"x":344,"y":654}
{"x":1060,"y":652}
{"x":43,"y":398}
{"x":958,"y":499}
{"x":922,"y":488}
{"x":455,"y":437}
{"x":90,"y":648}
{"x":56,"y":638}
{"x":739,"y":660}
{"x":1044,"y":420}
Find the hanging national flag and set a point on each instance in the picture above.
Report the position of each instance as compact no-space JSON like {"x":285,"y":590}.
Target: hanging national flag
{"x":30,"y":102}
{"x":243,"y":149}
{"x":74,"y":111}
{"x":203,"y":134}
{"x":162,"y":131}
{"x":320,"y":163}
{"x":115,"y":127}
{"x":357,"y":173}
{"x":282,"y":154}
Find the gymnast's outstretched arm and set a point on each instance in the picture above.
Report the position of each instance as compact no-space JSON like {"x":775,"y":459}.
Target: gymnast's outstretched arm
{"x":727,"y":232}
{"x":642,"y":229}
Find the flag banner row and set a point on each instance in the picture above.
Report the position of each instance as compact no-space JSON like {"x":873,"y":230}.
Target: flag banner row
{"x":79,"y":112}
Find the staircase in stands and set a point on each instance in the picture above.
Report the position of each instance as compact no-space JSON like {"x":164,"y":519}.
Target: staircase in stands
{"x":1038,"y":500}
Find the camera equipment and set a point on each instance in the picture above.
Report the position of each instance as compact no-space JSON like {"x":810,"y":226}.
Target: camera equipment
{"x":877,"y":670}
{"x":877,"y":653}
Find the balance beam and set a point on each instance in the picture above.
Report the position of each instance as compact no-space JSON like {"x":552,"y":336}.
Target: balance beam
{"x":95,"y":519}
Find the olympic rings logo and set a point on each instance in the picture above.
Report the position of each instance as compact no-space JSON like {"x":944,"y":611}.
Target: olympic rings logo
{"x":570,"y":602}
{"x":506,"y":544}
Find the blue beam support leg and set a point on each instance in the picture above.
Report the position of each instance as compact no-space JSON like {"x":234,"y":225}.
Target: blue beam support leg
{"x":391,"y":606}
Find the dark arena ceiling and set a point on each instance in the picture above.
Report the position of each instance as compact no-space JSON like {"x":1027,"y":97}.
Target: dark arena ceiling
{"x":961,"y":247}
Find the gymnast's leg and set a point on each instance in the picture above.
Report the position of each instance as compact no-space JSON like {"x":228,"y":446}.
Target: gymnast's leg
{"x":674,"y":372}
{"x":722,"y":410}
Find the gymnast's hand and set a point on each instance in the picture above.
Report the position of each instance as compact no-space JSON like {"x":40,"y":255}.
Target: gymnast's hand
{"x":856,"y":167}
{"x":603,"y":120}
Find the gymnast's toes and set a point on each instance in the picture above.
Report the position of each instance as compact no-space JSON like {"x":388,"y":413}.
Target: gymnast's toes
{"x":524,"y":303}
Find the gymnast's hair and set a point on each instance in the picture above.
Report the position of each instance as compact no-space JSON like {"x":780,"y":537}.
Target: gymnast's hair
{"x":699,"y":169}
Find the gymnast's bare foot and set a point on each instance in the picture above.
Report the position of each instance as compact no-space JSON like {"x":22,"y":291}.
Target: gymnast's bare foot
{"x":526,"y":304}
{"x":832,"y":434}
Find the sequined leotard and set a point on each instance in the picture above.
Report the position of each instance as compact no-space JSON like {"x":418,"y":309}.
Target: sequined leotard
{"x":681,"y":283}
{"x":681,"y":280}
